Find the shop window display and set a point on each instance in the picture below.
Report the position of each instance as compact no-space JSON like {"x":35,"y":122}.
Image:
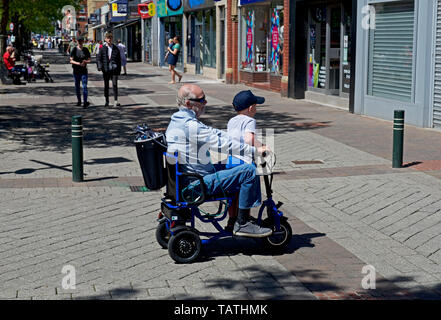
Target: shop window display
{"x":276,"y":57}
{"x":247,"y":33}
{"x":262,"y":37}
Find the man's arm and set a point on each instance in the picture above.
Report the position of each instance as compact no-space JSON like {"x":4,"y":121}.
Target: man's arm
{"x":99,"y":62}
{"x":220,"y":140}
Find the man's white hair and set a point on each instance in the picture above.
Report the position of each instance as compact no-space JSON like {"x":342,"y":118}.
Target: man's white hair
{"x":184,"y":94}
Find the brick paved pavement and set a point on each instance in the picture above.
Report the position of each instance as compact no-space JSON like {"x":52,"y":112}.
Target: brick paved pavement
{"x":347,"y":212}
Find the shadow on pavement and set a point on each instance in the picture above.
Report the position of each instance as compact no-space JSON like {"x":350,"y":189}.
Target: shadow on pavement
{"x":248,"y":246}
{"x":271,"y":285}
{"x":47,"y":126}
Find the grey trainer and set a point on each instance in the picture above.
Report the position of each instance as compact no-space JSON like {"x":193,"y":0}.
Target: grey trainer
{"x":251,"y":230}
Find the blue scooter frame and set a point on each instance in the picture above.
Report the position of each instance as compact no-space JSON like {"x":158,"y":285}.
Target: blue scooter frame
{"x":172,"y":224}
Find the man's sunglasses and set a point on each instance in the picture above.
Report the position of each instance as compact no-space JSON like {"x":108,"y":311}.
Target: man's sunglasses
{"x":200,"y":100}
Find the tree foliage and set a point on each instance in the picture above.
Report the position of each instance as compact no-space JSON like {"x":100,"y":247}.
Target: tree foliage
{"x":38,"y":15}
{"x":34,"y":15}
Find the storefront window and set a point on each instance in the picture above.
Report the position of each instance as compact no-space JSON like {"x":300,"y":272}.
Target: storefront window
{"x":276,"y":57}
{"x":202,"y":25}
{"x":317,"y":48}
{"x":191,"y":29}
{"x":209,"y":39}
{"x":260,"y":52}
{"x":391,"y":47}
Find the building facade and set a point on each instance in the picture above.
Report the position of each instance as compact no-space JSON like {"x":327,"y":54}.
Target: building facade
{"x":93,"y":9}
{"x":369,"y":57}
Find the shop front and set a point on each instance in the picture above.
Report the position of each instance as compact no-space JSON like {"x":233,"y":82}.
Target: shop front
{"x":170,"y":26}
{"x":261,"y":42}
{"x":147,"y":11}
{"x":395,"y":61}
{"x":202,"y":43}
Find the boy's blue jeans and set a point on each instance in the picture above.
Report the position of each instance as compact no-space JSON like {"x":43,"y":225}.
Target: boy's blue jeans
{"x":241,"y":178}
{"x":81,"y":78}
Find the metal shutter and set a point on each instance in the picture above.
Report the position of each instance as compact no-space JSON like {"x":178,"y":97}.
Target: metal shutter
{"x":391,"y":47}
{"x":437,"y":84}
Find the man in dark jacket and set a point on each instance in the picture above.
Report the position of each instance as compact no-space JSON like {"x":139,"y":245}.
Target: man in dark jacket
{"x":109,"y":62}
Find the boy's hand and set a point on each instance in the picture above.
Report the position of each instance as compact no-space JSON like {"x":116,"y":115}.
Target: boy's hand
{"x":263,"y":150}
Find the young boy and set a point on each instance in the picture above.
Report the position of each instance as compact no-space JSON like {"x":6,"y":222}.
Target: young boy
{"x":170,"y":45}
{"x":243,"y":128}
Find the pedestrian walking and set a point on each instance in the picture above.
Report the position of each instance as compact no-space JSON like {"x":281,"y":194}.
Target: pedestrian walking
{"x":109,"y":62}
{"x":79,"y":58}
{"x":173,"y":59}
{"x":72,"y":45}
{"x":122,"y":50}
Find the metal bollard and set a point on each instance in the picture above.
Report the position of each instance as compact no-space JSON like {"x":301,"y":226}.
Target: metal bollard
{"x":77,"y":149}
{"x":397,"y":156}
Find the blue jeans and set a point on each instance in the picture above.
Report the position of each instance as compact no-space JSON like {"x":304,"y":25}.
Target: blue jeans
{"x":242,"y":178}
{"x":83,"y":79}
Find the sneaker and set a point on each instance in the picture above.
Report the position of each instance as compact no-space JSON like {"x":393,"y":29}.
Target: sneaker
{"x":78,"y":103}
{"x":86,"y":104}
{"x":251,"y":230}
{"x":116,"y":104}
{"x":107,"y":104}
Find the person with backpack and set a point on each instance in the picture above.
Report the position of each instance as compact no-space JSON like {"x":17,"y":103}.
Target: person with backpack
{"x":79,"y":58}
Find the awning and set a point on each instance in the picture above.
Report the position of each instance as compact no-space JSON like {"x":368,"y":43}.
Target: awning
{"x":128,"y":23}
{"x":99,"y":26}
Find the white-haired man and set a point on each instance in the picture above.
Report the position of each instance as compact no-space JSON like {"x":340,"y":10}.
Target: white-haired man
{"x":192,"y":140}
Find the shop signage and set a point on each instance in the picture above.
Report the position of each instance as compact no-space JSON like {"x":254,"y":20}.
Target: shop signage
{"x":167,"y":8}
{"x":93,"y":18}
{"x":249,"y":38}
{"x":133,"y":11}
{"x":190,"y":5}
{"x":119,"y":10}
{"x":147,"y":10}
{"x":245,"y":2}
{"x":275,"y":43}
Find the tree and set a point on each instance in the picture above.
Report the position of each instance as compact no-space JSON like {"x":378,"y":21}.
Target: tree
{"x":4,"y":14}
{"x":31,"y":15}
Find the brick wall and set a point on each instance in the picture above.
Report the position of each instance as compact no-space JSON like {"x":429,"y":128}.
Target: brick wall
{"x":229,"y":67}
{"x":286,"y":49}
{"x":253,"y":77}
{"x":275,"y":83}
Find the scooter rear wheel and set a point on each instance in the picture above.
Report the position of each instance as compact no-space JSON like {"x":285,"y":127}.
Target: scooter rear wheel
{"x":163,"y":234}
{"x":279,"y":239}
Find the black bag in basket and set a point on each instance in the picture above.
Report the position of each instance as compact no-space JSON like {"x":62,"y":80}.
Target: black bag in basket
{"x":151,"y":159}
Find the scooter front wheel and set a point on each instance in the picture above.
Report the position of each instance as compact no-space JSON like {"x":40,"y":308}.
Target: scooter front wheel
{"x":185,"y":246}
{"x":279,"y":239}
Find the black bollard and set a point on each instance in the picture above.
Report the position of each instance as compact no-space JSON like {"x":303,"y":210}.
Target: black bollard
{"x":397,"y":156}
{"x":77,"y":149}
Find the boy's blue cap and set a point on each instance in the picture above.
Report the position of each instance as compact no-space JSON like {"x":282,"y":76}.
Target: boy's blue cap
{"x":246,"y":99}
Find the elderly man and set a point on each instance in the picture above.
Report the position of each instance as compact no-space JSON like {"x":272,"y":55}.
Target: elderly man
{"x":192,"y":140}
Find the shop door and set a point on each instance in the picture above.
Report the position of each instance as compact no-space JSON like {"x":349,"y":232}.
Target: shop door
{"x":326,"y":39}
{"x":148,"y":40}
{"x":334,"y":50}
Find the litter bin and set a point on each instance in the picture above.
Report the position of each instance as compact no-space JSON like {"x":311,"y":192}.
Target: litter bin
{"x":150,"y":156}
